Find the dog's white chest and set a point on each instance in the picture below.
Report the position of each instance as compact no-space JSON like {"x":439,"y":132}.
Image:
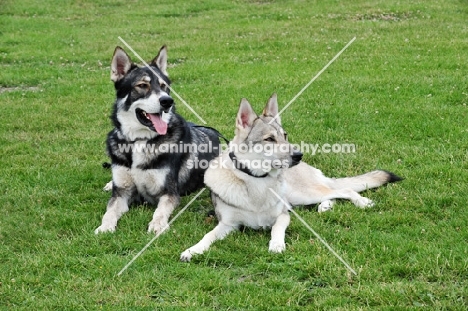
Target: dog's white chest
{"x":261,"y":216}
{"x":246,"y":201}
{"x":148,"y":182}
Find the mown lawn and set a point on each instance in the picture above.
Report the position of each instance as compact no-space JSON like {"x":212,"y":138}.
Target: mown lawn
{"x":399,"y":93}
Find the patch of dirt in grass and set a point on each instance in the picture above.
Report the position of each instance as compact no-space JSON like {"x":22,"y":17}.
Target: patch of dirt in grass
{"x":4,"y":89}
{"x":384,"y":16}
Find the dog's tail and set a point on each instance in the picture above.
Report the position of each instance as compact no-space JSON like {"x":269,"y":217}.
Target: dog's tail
{"x":365,"y":181}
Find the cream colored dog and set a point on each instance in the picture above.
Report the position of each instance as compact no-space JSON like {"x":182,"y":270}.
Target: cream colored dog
{"x":261,"y":160}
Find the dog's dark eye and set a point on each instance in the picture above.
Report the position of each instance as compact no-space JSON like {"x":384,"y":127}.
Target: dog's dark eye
{"x":163,"y":86}
{"x":143,"y":85}
{"x":270,"y":139}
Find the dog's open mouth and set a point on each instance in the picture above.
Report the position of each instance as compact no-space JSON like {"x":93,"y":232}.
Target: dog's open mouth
{"x":152,"y":120}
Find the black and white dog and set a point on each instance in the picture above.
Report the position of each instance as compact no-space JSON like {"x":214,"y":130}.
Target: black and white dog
{"x":152,"y":149}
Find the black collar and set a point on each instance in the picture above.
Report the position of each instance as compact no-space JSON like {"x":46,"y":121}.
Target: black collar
{"x":241,"y":167}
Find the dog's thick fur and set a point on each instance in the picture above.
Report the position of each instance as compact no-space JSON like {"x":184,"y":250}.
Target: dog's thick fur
{"x":144,"y":120}
{"x":241,"y":192}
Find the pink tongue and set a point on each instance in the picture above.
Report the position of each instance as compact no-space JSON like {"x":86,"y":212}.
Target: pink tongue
{"x":158,"y":123}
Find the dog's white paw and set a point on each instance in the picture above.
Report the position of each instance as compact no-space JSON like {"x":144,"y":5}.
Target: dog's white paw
{"x":325,"y":206}
{"x":105,"y":228}
{"x":186,"y":256}
{"x":277,"y":246}
{"x":108,"y":186}
{"x":157,"y":225}
{"x":364,"y":202}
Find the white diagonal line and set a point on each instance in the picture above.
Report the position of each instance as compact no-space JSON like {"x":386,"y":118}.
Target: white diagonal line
{"x":172,"y":90}
{"x":157,"y":235}
{"x":313,"y":79}
{"x":312,"y":230}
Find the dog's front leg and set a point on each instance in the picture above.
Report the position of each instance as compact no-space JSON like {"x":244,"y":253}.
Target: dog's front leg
{"x":167,"y":204}
{"x":218,"y":233}
{"x":116,"y":207}
{"x":278,"y":232}
{"x":123,"y":189}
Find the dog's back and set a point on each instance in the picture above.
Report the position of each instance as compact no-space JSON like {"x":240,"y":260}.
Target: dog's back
{"x":203,"y":145}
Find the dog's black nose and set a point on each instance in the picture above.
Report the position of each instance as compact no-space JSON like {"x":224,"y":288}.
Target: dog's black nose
{"x":296,"y":157}
{"x":166,"y":101}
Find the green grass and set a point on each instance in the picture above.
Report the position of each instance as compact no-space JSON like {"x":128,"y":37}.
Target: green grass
{"x":399,"y":93}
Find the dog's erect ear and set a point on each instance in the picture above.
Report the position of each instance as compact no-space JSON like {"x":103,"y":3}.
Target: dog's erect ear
{"x":160,"y":60}
{"x":245,"y":116}
{"x":120,"y":65}
{"x":271,"y":108}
